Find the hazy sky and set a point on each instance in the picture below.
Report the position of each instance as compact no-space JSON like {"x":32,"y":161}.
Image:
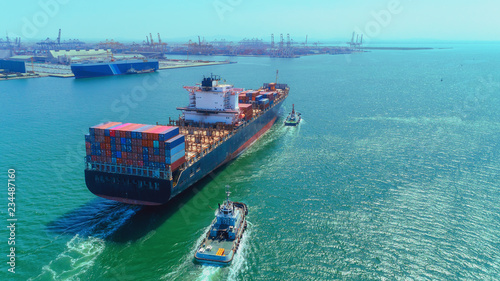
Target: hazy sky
{"x":235,"y":19}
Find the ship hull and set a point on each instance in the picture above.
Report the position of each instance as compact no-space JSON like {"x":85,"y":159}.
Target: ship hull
{"x":89,"y":70}
{"x":150,"y":191}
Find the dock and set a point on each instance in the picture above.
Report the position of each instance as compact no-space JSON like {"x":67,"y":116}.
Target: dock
{"x":64,"y":71}
{"x":168,"y":64}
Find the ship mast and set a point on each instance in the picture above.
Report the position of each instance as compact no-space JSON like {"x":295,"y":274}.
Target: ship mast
{"x":227,"y":193}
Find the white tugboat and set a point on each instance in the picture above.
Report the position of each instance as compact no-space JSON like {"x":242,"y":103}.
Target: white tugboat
{"x":223,"y":238}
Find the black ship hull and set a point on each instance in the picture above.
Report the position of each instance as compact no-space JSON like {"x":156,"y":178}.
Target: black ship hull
{"x":144,"y":190}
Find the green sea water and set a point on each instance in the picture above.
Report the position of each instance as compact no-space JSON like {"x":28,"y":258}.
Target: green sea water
{"x":393,"y":174}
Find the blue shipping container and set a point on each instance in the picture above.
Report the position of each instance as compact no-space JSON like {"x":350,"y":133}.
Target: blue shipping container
{"x":175,"y":157}
{"x":175,"y":150}
{"x":174,"y":131}
{"x":173,"y":142}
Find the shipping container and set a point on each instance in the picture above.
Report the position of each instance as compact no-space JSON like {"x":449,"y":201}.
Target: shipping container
{"x":135,"y":145}
{"x":173,"y":151}
{"x":175,"y":157}
{"x":175,"y":141}
{"x":178,"y":163}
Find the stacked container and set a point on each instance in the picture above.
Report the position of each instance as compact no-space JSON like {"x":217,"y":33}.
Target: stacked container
{"x":243,"y":98}
{"x":270,"y":95}
{"x":252,"y":95}
{"x":246,"y":109}
{"x":136,"y":145}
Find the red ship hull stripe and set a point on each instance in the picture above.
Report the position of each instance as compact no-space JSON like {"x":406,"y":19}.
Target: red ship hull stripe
{"x":254,"y":138}
{"x":129,"y":201}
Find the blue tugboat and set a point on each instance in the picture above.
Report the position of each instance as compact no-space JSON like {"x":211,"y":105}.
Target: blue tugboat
{"x":293,"y":118}
{"x":223,"y":238}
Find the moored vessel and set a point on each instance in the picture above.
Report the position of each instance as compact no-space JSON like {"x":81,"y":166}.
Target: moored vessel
{"x":119,"y":67}
{"x":224,"y":236}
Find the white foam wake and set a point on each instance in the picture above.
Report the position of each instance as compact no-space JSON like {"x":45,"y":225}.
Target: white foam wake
{"x":79,"y":256}
{"x":83,"y":249}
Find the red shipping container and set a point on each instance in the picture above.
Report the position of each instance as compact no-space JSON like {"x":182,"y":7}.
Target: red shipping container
{"x":103,"y":146}
{"x":162,"y":129}
{"x":119,"y":161}
{"x":152,"y":129}
{"x":107,"y":139}
{"x":135,"y":127}
{"x":124,"y":155}
{"x":121,"y":126}
{"x":108,"y":146}
{"x":125,"y":128}
{"x":140,"y":163}
{"x":87,"y":144}
{"x":108,"y":153}
{"x":88,"y":151}
{"x":106,"y":125}
{"x":178,"y":163}
{"x":94,"y":158}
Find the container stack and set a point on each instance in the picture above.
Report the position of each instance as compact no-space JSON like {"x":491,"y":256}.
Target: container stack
{"x":246,"y":110}
{"x":243,"y":98}
{"x":270,"y":95}
{"x":252,"y":95}
{"x":175,"y":151}
{"x":136,"y":145}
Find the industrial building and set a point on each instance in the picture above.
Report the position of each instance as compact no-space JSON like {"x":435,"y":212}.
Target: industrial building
{"x":10,"y":66}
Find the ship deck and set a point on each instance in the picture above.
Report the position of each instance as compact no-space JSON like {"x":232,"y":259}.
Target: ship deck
{"x":216,"y":245}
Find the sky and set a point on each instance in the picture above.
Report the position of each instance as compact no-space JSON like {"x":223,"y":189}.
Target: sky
{"x":320,"y":20}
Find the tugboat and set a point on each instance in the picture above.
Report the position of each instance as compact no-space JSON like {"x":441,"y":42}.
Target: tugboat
{"x":223,"y":238}
{"x":293,"y":118}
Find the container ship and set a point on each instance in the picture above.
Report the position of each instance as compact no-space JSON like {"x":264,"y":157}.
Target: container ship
{"x":88,"y":70}
{"x":150,"y":164}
